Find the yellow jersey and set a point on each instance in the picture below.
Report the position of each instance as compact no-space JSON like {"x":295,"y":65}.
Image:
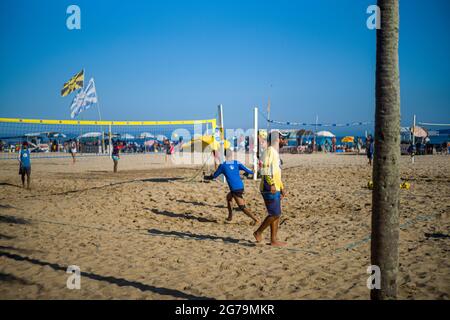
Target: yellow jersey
{"x":271,"y":169}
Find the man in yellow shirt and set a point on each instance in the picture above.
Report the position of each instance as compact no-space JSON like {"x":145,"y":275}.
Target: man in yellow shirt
{"x":272,"y":190}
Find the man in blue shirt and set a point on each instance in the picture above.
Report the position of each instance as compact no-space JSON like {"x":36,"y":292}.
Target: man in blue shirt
{"x":231,"y":170}
{"x":25,"y":164}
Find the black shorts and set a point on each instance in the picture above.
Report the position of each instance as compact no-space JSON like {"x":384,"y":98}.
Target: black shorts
{"x":238,"y":193}
{"x":24,"y":171}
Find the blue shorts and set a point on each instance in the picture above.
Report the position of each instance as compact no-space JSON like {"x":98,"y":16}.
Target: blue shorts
{"x":273,"y":203}
{"x":115,"y":158}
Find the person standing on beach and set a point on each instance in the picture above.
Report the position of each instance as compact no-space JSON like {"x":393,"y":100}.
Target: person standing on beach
{"x":73,"y":150}
{"x":231,"y":170}
{"x":369,"y":148}
{"x":359,"y":144}
{"x":115,"y":155}
{"x":25,"y":164}
{"x":272,"y":190}
{"x":167,"y":149}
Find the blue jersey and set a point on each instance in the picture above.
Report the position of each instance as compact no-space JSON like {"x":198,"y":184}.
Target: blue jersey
{"x":25,"y":158}
{"x":231,"y":169}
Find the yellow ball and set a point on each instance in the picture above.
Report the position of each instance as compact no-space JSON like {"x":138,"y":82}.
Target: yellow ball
{"x":405,"y":185}
{"x":370,"y":185}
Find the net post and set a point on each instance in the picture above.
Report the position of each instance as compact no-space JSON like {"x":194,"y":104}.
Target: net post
{"x":255,"y":144}
{"x":110,"y":140}
{"x":222,"y":137}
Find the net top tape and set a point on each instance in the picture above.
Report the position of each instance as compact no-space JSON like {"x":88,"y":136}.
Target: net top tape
{"x":107,"y":123}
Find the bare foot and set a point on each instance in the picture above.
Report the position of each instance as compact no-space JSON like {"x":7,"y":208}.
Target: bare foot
{"x":229,"y":219}
{"x":278,"y":244}
{"x":255,"y":222}
{"x":257,"y":236}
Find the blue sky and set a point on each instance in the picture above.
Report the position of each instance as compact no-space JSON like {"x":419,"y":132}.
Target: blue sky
{"x":170,"y":60}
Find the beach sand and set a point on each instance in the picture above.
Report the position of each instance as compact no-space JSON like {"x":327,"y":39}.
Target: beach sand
{"x":153,"y":231}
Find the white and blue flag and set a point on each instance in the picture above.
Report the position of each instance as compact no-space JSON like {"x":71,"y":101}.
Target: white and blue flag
{"x":84,"y":99}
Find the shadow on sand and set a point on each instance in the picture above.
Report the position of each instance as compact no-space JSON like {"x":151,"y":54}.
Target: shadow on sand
{"x":63,"y":193}
{"x":180,"y":215}
{"x":200,"y":237}
{"x":113,"y":280}
{"x":201,"y":204}
{"x":12,"y":219}
{"x":7,"y":184}
{"x":6,"y":277}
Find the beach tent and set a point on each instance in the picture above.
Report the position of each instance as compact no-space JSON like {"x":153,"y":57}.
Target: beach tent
{"x":348,"y":139}
{"x":91,"y":135}
{"x":145,"y":135}
{"x":419,"y":132}
{"x":326,"y":134}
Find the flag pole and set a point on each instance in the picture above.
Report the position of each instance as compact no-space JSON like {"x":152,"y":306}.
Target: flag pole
{"x":100,"y":118}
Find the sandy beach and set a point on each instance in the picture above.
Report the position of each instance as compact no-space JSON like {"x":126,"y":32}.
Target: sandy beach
{"x":156,"y":231}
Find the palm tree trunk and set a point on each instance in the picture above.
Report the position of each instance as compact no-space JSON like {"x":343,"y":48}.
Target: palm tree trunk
{"x":386,"y":177}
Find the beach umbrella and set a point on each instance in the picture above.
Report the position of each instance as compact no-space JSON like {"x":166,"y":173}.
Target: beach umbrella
{"x":113,"y":135}
{"x":405,"y":129}
{"x":91,"y":135}
{"x":161,"y":137}
{"x":35,"y":134}
{"x":419,"y":132}
{"x":126,"y":136}
{"x":56,"y":135}
{"x":145,"y":135}
{"x":348,"y":139}
{"x":203,"y":142}
{"x":326,"y":134}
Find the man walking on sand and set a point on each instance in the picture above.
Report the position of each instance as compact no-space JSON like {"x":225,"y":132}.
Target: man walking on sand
{"x":272,"y":190}
{"x":25,"y":164}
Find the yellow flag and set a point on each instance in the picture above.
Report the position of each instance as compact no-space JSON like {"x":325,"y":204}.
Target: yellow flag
{"x":73,"y":84}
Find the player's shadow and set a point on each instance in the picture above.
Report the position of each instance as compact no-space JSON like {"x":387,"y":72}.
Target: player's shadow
{"x":179,"y":215}
{"x":12,"y":219}
{"x":9,"y":278}
{"x":437,"y":235}
{"x":6,"y":206}
{"x":201,"y":204}
{"x":5,"y":237}
{"x":121,"y":282}
{"x":10,"y":185}
{"x":200,"y":237}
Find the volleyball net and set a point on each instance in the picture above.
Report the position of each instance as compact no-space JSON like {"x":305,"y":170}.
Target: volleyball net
{"x":53,"y":138}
